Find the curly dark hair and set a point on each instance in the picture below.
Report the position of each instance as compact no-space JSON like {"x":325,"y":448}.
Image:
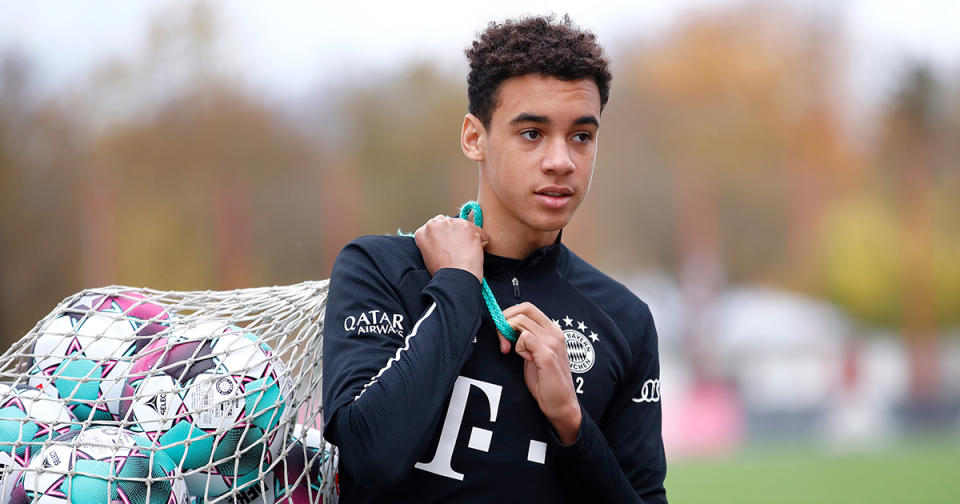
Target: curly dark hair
{"x":532,"y":45}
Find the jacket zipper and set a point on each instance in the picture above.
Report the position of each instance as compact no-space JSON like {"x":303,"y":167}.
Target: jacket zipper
{"x":516,"y":288}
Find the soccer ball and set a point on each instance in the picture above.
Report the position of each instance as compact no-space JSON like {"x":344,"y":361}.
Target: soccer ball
{"x":238,"y":472}
{"x":28,"y":417}
{"x":97,"y":465}
{"x":298,"y":478}
{"x":211,"y":397}
{"x":85,"y":352}
{"x":7,"y":484}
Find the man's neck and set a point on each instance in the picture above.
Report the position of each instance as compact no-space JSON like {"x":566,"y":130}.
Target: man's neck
{"x":515,"y":241}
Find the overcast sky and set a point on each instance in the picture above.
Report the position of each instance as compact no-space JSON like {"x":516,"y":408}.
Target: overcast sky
{"x":286,"y":48}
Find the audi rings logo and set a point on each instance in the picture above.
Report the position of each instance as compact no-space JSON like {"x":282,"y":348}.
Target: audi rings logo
{"x":650,"y":392}
{"x":580,"y":351}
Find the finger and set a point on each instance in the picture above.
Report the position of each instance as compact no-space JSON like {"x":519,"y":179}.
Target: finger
{"x":525,"y":341}
{"x":504,"y":343}
{"x":537,"y":315}
{"x":551,"y":341}
{"x":525,"y":307}
{"x":484,"y":237}
{"x":533,"y":348}
{"x":513,"y":310}
{"x":532,"y":312}
{"x":420,"y":234}
{"x":521,"y":322}
{"x":430,"y":223}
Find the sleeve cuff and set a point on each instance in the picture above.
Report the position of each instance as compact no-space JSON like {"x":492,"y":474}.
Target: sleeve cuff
{"x":555,"y":439}
{"x":458,"y":291}
{"x":461,"y":275}
{"x":458,"y":283}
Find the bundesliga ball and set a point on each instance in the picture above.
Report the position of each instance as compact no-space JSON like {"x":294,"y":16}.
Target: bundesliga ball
{"x":98,"y":465}
{"x":28,"y":417}
{"x":297,"y":479}
{"x":85,"y":353}
{"x":211,"y":397}
{"x":300,"y":479}
{"x":7,"y":485}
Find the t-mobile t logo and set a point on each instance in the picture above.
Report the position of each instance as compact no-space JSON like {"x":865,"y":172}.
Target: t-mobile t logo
{"x":479,"y":437}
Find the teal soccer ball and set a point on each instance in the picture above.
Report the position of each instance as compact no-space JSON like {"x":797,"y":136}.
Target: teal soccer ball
{"x":100,"y":465}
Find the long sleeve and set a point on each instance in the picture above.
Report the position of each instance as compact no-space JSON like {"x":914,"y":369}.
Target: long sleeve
{"x":621,"y":457}
{"x":387,"y":373}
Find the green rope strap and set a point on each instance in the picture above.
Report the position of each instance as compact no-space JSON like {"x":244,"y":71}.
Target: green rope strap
{"x":495,"y":312}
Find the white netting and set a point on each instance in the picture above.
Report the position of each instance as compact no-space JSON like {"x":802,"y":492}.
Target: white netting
{"x":138,"y":395}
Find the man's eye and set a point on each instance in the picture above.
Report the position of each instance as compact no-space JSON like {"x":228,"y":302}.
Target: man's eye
{"x":581,"y":137}
{"x":530,"y":134}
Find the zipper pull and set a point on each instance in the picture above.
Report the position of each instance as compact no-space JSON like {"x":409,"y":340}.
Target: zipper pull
{"x":516,"y":288}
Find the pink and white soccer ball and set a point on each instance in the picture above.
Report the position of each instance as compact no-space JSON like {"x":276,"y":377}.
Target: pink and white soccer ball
{"x":28,"y":418}
{"x":309,"y":470}
{"x":212,"y":397}
{"x":100,"y":465}
{"x":307,"y":474}
{"x":85,"y":353}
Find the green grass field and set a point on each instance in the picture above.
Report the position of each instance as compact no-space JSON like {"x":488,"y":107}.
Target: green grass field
{"x":923,"y":472}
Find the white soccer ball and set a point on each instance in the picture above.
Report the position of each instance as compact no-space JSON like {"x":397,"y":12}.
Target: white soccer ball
{"x":97,"y":465}
{"x":85,"y":353}
{"x":28,"y":417}
{"x":306,"y":474}
{"x":211,"y":396}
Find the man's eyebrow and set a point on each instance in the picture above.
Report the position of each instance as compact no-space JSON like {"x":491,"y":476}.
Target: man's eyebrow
{"x":587,"y":119}
{"x":527,"y":117}
{"x":524,"y":117}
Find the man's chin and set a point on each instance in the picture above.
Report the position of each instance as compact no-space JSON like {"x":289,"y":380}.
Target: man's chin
{"x":551,"y":224}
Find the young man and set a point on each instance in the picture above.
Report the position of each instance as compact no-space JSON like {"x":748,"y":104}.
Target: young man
{"x":426,"y":400}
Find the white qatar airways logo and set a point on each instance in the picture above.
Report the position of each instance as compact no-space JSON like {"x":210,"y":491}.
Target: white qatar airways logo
{"x":374,"y":321}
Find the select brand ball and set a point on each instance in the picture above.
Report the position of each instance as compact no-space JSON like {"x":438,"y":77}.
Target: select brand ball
{"x":85,"y":353}
{"x":28,"y":417}
{"x":97,"y":465}
{"x":211,"y":397}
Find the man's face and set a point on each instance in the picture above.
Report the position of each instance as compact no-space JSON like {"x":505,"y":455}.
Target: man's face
{"x":539,"y":153}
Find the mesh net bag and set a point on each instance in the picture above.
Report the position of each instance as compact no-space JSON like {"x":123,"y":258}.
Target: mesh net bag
{"x":145,"y":396}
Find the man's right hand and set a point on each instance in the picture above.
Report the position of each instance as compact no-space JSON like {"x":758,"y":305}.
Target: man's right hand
{"x":450,"y":242}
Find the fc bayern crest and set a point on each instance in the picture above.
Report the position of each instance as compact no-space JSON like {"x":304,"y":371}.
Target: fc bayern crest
{"x":579,"y":350}
{"x":579,"y":346}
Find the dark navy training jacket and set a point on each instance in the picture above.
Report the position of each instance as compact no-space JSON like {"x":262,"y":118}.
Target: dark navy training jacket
{"x":425,"y":408}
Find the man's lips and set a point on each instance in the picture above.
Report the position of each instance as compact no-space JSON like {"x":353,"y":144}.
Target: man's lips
{"x":554,"y":196}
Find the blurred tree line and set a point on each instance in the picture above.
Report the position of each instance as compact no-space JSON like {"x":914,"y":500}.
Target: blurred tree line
{"x":728,"y":156}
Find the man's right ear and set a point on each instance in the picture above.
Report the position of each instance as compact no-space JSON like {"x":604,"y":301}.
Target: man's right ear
{"x":473,"y":138}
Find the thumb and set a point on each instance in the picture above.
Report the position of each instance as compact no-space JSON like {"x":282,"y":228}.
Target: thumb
{"x":484,"y":238}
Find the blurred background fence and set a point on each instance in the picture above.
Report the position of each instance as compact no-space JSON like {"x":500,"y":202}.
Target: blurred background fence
{"x":787,"y":205}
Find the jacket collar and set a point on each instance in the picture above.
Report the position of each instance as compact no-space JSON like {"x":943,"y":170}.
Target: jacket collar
{"x":544,"y":257}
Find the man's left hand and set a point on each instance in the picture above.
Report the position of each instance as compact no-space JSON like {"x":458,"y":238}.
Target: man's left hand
{"x":546,"y":367}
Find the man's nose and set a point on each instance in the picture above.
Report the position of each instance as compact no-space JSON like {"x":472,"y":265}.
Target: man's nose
{"x":558,"y":160}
